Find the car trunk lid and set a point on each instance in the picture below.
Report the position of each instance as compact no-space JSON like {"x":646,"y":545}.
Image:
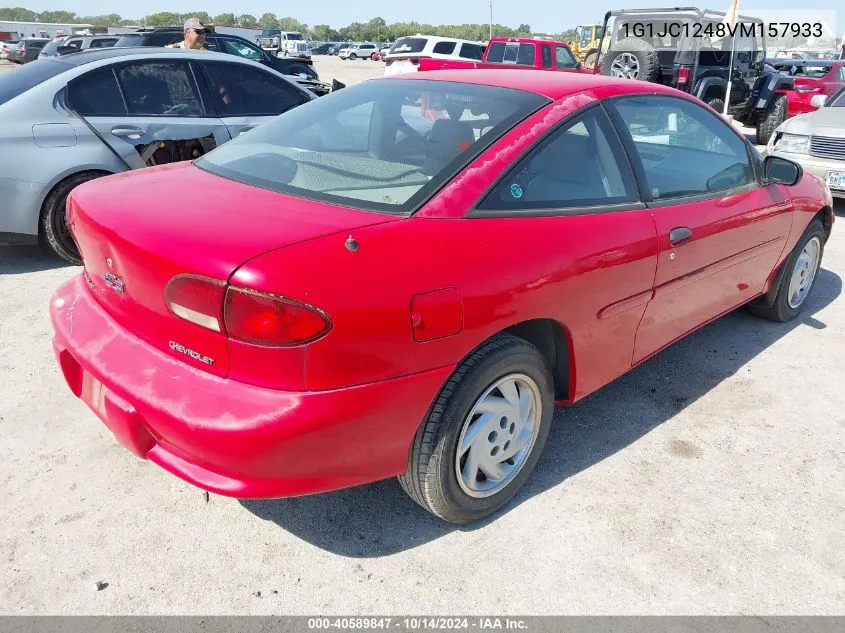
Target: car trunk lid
{"x":138,"y":230}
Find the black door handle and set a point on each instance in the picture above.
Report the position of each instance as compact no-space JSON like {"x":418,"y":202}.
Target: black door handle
{"x":679,"y":234}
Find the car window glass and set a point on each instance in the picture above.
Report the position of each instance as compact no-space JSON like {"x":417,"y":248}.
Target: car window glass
{"x":233,"y":47}
{"x":444,"y":48}
{"x":159,"y":89}
{"x":381,"y":145}
{"x":472,"y":51}
{"x":564,"y":58}
{"x":546,"y":54}
{"x":577,"y":166}
{"x":77,"y":43}
{"x":240,"y":90}
{"x":685,"y":149}
{"x":842,"y":73}
{"x":96,"y":94}
{"x":103,"y":43}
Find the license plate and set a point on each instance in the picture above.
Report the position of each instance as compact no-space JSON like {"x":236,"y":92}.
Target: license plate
{"x":836,"y":180}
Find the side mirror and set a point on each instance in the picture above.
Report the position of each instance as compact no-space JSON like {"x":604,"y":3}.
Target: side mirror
{"x":818,"y":101}
{"x":782,"y":171}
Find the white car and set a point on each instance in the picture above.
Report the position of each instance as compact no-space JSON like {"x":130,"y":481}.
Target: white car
{"x":363,"y":51}
{"x":405,"y":54}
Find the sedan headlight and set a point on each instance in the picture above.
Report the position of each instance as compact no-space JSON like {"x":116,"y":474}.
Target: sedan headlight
{"x":793,"y":144}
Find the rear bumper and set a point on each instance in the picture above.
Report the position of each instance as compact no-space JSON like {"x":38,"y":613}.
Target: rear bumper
{"x":228,"y":437}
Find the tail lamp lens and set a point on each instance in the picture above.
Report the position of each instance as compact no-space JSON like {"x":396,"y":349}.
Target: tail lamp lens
{"x":683,"y":76}
{"x":263,"y":319}
{"x":197,"y":299}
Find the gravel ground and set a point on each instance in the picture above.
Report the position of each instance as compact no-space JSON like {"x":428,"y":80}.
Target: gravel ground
{"x":710,"y":480}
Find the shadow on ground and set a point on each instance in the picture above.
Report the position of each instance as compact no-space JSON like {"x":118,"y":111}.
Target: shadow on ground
{"x":379,"y":520}
{"x":16,"y":260}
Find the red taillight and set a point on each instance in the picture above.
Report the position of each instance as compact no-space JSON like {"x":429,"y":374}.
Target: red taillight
{"x":415,"y":61}
{"x":264,"y":319}
{"x":197,"y":299}
{"x":805,"y":88}
{"x":683,"y":76}
{"x":22,"y":51}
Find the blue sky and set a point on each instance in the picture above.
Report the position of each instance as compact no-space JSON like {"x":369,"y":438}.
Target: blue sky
{"x":542,"y":15}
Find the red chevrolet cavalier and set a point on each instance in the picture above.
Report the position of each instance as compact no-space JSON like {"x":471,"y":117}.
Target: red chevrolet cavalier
{"x":404,"y":277}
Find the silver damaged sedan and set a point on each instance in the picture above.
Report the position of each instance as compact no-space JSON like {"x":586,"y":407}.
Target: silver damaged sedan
{"x":67,"y":120}
{"x":816,"y":140}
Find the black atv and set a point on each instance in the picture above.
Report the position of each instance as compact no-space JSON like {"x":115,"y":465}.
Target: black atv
{"x":681,"y":47}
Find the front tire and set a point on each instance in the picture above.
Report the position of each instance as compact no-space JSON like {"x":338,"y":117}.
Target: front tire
{"x":802,"y":267}
{"x":54,"y":228}
{"x":353,"y":56}
{"x":484,"y":434}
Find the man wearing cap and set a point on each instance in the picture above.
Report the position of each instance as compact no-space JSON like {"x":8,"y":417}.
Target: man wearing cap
{"x":194,"y":35}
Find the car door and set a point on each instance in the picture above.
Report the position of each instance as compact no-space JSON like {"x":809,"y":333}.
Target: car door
{"x":587,"y":245}
{"x":720,"y":231}
{"x":136,"y":106}
{"x":244,"y":95}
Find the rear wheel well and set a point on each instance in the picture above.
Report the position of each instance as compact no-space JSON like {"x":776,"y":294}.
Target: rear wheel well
{"x":548,"y":336}
{"x":47,"y":199}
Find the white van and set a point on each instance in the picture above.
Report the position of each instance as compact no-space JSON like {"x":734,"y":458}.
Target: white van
{"x":405,"y":54}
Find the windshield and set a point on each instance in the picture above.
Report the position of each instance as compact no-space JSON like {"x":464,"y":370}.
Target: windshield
{"x":25,"y":77}
{"x":270,"y":32}
{"x":379,"y":145}
{"x":836,"y":101}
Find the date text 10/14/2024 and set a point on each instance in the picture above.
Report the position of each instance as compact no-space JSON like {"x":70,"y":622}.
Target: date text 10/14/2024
{"x":418,"y":623}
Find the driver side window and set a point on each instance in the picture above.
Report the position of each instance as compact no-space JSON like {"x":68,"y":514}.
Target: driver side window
{"x":241,"y":50}
{"x":684,"y":148}
{"x":159,"y":89}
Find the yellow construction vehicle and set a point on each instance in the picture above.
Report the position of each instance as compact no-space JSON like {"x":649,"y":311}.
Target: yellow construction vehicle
{"x":585,"y":46}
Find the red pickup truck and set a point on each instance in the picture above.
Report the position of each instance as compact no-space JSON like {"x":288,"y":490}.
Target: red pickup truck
{"x":517,"y":52}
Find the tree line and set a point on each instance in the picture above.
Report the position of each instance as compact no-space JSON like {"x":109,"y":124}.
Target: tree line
{"x":375,"y":30}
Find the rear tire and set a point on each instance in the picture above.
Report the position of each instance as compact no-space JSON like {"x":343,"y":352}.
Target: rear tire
{"x":620,"y":61}
{"x":768,"y":122}
{"x":455,"y":485}
{"x":802,"y":267}
{"x":591,"y":58}
{"x":53,"y":221}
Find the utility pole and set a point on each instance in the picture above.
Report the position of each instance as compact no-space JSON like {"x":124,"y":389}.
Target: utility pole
{"x":491,"y":19}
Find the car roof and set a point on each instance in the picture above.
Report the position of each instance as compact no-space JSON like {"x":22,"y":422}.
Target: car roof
{"x":91,"y":56}
{"x":554,"y":85}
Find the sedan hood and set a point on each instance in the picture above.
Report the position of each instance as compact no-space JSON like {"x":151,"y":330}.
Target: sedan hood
{"x":822,"y":122}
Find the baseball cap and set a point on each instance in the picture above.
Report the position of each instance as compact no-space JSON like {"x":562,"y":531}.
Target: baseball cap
{"x":193,"y":23}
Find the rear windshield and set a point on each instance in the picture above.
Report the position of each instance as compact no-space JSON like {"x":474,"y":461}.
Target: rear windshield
{"x":803,"y":70}
{"x":511,"y":53}
{"x":408,"y":45}
{"x":52,"y":47}
{"x":380,"y":146}
{"x":13,"y":84}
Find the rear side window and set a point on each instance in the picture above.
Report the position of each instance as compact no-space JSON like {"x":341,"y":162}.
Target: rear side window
{"x":103,"y":43}
{"x":13,"y":84}
{"x":547,"y":56}
{"x":577,"y":166}
{"x":96,"y":94}
{"x":472,"y":51}
{"x":444,"y":48}
{"x":564,"y":58}
{"x":409,"y":45}
{"x":243,"y":91}
{"x":159,"y":89}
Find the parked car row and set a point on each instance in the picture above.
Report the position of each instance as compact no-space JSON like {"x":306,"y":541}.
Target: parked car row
{"x":582,"y":223}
